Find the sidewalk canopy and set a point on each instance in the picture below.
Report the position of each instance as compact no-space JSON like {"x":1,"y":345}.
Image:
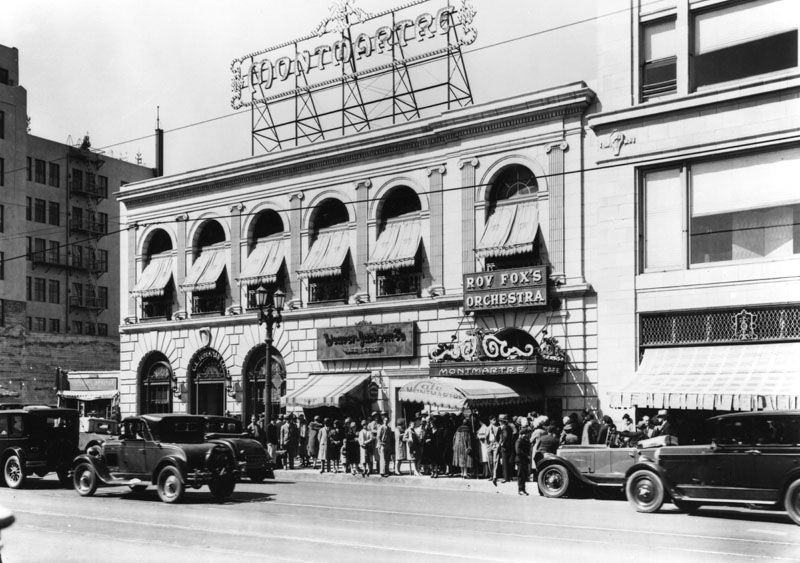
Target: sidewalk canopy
{"x":90,"y":388}
{"x":329,"y":390}
{"x":327,"y":255}
{"x":155,"y":277}
{"x":511,"y":229}
{"x":89,"y":395}
{"x":206,"y":270}
{"x":456,"y":394}
{"x":397,"y":245}
{"x":262,"y":266}
{"x":729,"y":377}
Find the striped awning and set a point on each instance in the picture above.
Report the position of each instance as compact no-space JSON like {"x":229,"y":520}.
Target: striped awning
{"x":511,"y":229}
{"x":264,"y":262}
{"x":329,"y":390}
{"x":89,"y":395}
{"x":455,"y":394}
{"x":397,"y":245}
{"x":327,"y":254}
{"x":155,"y":277}
{"x":206,"y":271}
{"x":730,"y":377}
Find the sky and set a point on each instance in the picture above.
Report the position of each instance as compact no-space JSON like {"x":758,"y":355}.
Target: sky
{"x":103,"y":66}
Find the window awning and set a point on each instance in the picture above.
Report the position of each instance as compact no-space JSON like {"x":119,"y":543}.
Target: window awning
{"x":511,"y":229}
{"x":455,"y":394}
{"x":327,"y":255}
{"x":729,"y":377}
{"x":329,"y":390}
{"x":396,"y":246}
{"x":206,"y":270}
{"x":155,"y":277}
{"x":89,"y":395}
{"x":263,"y":263}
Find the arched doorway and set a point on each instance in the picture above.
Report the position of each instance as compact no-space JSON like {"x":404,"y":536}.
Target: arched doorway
{"x":253,"y":377}
{"x":155,"y":384}
{"x":208,"y":379}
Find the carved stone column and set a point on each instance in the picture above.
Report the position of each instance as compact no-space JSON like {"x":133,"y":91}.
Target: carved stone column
{"x":133,"y":266}
{"x":555,"y":243}
{"x":436,"y":251}
{"x":362,"y":241}
{"x":236,"y":257}
{"x":295,"y":300}
{"x":180,"y":258}
{"x":468,"y":167}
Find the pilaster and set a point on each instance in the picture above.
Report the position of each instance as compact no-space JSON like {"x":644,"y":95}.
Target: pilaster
{"x":555,"y":243}
{"x":468,"y":167}
{"x":362,"y":240}
{"x":436,"y":251}
{"x":295,"y":300}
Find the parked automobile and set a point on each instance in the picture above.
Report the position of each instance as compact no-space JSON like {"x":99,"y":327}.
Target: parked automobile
{"x":753,"y":460}
{"x":251,"y":457}
{"x":37,"y":440}
{"x":95,"y":431}
{"x":167,"y":450}
{"x":591,"y":465}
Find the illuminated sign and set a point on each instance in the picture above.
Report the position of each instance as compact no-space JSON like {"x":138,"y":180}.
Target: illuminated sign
{"x":506,"y":289}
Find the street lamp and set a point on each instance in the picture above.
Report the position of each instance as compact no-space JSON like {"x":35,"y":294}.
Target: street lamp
{"x":270,"y":314}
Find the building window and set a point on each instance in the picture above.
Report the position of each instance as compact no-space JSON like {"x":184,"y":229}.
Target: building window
{"x":41,"y":171}
{"x":76,"y":299}
{"x":2,"y":217}
{"x":102,"y":223}
{"x":39,"y":290}
{"x":102,"y":186}
{"x":4,"y":76}
{"x":663,"y":207}
{"x":102,"y":265}
{"x":54,"y":212}
{"x":102,"y":329}
{"x":55,"y":325}
{"x":29,"y":248}
{"x":76,"y":182}
{"x":77,"y":327}
{"x":41,"y":324}
{"x":102,"y":297}
{"x":740,"y":40}
{"x":2,"y":265}
{"x":54,"y":177}
{"x":2,"y":125}
{"x":88,"y":328}
{"x":28,"y":209}
{"x":30,"y":322}
{"x":77,"y":218}
{"x":659,"y":64}
{"x":40,"y":211}
{"x":53,"y":252}
{"x":39,"y":249}
{"x":29,"y":168}
{"x":2,"y":172}
{"x":54,"y":291}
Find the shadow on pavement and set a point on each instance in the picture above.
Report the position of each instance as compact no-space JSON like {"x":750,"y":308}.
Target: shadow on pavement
{"x":731,"y":513}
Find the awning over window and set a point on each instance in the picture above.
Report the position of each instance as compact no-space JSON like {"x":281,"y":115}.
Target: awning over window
{"x":730,"y":377}
{"x":263,"y":263}
{"x":155,"y":277}
{"x":206,"y":270}
{"x":511,"y":229}
{"x":330,"y":390}
{"x":327,"y":255}
{"x":396,"y":246}
{"x":455,"y":394}
{"x":89,"y":395}
{"x":90,"y":388}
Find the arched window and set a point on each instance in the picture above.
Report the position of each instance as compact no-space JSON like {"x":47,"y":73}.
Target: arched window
{"x":158,"y":242}
{"x":267,"y":250}
{"x":515,"y":182}
{"x":327,"y":264}
{"x":155,"y":284}
{"x":206,"y":278}
{"x":155,"y":384}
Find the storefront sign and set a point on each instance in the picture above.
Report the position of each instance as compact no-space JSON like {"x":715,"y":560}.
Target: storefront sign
{"x":483,"y":369}
{"x":506,"y":289}
{"x":364,"y":341}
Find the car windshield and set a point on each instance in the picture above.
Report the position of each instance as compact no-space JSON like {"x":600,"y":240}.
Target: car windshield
{"x":102,"y":427}
{"x":180,"y":430}
{"x":223,"y":426}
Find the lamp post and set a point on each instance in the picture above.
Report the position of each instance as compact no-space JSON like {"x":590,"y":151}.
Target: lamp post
{"x":269,"y":314}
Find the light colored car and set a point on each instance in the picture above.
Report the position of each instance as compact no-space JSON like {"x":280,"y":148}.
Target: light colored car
{"x":95,"y":431}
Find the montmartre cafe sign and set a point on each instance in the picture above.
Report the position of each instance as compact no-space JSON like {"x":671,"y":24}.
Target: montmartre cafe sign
{"x":486,"y":353}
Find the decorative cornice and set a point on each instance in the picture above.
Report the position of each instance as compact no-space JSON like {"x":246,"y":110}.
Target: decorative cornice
{"x":472,"y":161}
{"x":366,"y":184}
{"x":562,"y":145}
{"x":441,"y":169}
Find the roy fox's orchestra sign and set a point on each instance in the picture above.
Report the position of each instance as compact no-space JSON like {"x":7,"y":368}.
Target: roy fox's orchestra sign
{"x":506,"y":289}
{"x":364,"y":341}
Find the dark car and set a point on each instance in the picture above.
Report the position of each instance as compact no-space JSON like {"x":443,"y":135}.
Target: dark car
{"x":591,"y":465}
{"x":753,"y":460}
{"x":37,"y":440}
{"x":95,"y":431}
{"x":166,"y":450}
{"x":251,"y":457}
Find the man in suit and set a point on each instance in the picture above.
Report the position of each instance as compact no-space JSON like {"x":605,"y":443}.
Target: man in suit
{"x":288,"y":439}
{"x":505,"y":440}
{"x":385,"y":443}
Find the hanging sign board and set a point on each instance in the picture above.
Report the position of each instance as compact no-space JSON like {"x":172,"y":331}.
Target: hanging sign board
{"x":536,"y":366}
{"x":365,"y":341}
{"x":514,"y":288}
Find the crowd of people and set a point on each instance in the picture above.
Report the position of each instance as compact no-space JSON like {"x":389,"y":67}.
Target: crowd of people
{"x":442,"y":444}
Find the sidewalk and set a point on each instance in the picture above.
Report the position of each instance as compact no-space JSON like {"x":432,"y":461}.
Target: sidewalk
{"x":422,"y":482}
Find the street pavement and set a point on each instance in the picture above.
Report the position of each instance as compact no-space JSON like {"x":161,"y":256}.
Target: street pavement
{"x":304,"y":516}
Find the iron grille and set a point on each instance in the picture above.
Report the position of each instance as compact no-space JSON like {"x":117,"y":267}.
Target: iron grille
{"x":721,"y":325}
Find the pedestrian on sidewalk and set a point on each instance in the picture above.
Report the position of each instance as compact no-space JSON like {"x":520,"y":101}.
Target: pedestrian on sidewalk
{"x":523,"y":454}
{"x":385,"y":445}
{"x":483,"y":439}
{"x":254,"y":430}
{"x":351,"y":448}
{"x":324,"y":437}
{"x":272,"y":437}
{"x":288,"y":440}
{"x":505,"y":441}
{"x":493,"y":441}
{"x":462,"y":448}
{"x":412,"y":444}
{"x":400,"y":454}
{"x":302,"y":442}
{"x":335,"y":440}
{"x":313,"y":440}
{"x":366,"y":443}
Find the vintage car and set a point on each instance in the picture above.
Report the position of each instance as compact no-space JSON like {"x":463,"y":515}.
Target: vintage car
{"x":37,"y":440}
{"x":591,"y":465}
{"x":251,"y":457}
{"x":753,"y":460}
{"x":166,"y":450}
{"x":95,"y":431}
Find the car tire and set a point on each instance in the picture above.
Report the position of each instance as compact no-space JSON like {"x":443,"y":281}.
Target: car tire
{"x":791,"y":501}
{"x":553,"y":481}
{"x":222,"y":487}
{"x":63,"y":477}
{"x":171,"y":487}
{"x":257,"y":475}
{"x":645,"y":491}
{"x":84,"y":479}
{"x":13,"y":472}
{"x":686,"y":506}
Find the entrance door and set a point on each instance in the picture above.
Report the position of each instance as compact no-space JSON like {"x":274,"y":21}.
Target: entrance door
{"x":210,"y":398}
{"x":208,"y":382}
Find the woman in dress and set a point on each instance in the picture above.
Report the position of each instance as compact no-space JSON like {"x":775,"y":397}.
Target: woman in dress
{"x":313,"y":440}
{"x":366,"y":443}
{"x":411,"y":444}
{"x":335,"y":437}
{"x":351,"y":449}
{"x":462,"y":448}
{"x":483,"y":439}
{"x":323,"y":437}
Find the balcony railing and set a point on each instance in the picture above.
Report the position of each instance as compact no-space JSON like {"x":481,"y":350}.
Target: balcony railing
{"x":157,"y":309}
{"x":324,"y":290}
{"x":86,"y":302}
{"x":398,"y":283}
{"x":85,"y":189}
{"x":94,"y":266}
{"x":91,"y":227}
{"x":208,"y":303}
{"x":47,"y":258}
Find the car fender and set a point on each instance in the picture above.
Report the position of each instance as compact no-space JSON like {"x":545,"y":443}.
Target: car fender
{"x":227,"y":444}
{"x":793,"y":475}
{"x":174,"y":461}
{"x":97,"y":463}
{"x":552,"y":459}
{"x":14,"y":450}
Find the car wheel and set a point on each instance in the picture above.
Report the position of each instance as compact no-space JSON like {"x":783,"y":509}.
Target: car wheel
{"x":13,"y":473}
{"x":257,"y":475}
{"x":645,"y":491}
{"x":84,"y":479}
{"x":553,"y":481}
{"x":170,"y":485}
{"x":686,"y":506}
{"x":222,"y":487}
{"x":791,"y":501}
{"x":63,"y":477}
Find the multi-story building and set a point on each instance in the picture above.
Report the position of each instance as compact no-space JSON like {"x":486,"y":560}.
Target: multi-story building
{"x":59,"y":271}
